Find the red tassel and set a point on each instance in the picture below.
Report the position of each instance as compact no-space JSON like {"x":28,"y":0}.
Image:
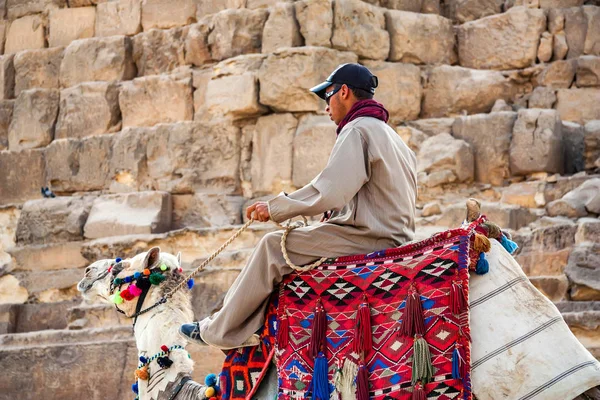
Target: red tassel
{"x":412,"y":320}
{"x":283,"y":331}
{"x":464,"y":367}
{"x":458,"y":299}
{"x":318,"y":339}
{"x":418,"y":392}
{"x":362,"y":383}
{"x":363,"y":342}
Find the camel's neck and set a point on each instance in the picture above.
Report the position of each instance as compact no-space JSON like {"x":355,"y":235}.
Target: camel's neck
{"x":154,"y":329}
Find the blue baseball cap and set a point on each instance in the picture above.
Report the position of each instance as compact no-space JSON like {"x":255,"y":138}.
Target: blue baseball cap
{"x":354,"y":75}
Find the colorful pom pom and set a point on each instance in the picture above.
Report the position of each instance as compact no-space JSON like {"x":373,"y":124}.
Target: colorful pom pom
{"x":142,"y":373}
{"x":137,"y":275}
{"x":210,"y":392}
{"x":134,"y":290}
{"x":118,"y":281}
{"x":190,"y":284}
{"x":213,"y":398}
{"x":163,"y":267}
{"x":143,"y":360}
{"x":116,"y":298}
{"x":118,"y":260}
{"x":156,"y":278}
{"x":164,"y":348}
{"x":127,"y":279}
{"x":180,"y":270}
{"x":164,"y":362}
{"x":210,"y":380}
{"x":146,"y":272}
{"x":134,"y":388}
{"x":126,"y":295}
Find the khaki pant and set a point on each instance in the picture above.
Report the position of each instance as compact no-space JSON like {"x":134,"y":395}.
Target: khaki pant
{"x":243,"y":311}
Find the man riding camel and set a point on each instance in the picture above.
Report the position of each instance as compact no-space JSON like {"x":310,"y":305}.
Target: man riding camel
{"x":367,"y":192}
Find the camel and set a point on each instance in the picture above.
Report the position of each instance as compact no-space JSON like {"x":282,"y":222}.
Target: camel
{"x":157,"y":327}
{"x":541,"y":365}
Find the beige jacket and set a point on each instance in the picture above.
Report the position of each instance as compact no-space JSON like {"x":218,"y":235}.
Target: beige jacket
{"x":369,"y":184}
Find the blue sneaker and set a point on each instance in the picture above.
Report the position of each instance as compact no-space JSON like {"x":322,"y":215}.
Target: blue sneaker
{"x":191,"y":332}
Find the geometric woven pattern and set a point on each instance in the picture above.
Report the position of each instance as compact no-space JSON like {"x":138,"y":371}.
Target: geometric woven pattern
{"x":432,"y":266}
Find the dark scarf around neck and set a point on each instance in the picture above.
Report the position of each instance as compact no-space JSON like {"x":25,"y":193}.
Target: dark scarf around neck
{"x":364,"y":108}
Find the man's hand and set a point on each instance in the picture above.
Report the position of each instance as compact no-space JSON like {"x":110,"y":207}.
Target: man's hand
{"x":259,"y":211}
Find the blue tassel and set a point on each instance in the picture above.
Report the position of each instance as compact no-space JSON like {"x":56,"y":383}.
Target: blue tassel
{"x":134,"y":387}
{"x":483,"y":266}
{"x":455,"y":365}
{"x":508,"y":244}
{"x":190,"y":284}
{"x":143,"y":360}
{"x":320,"y":380}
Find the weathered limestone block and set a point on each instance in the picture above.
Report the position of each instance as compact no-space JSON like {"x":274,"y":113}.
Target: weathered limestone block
{"x":315,"y":18}
{"x":452,"y":90}
{"x":525,"y":194}
{"x":207,"y":7}
{"x":97,"y":59}
{"x":544,"y":52}
{"x":200,"y":79}
{"x":560,"y":48}
{"x":159,"y":51}
{"x":402,"y":5}
{"x":34,"y":119}
{"x":165,"y":14}
{"x":433,"y":126}
{"x":7,"y":77}
{"x":578,"y":105}
{"x":9,"y":218}
{"x":235,"y":32}
{"x":445,"y":160}
{"x":420,"y":38}
{"x":25,"y":33}
{"x":463,"y":11}
{"x":578,"y":202}
{"x":582,"y":270}
{"x":360,"y":27}
{"x":25,"y":175}
{"x":272,"y":155}
{"x":85,"y":3}
{"x":542,"y":97}
{"x":178,"y":161}
{"x":413,"y":138}
{"x":591,"y":45}
{"x":591,"y":142}
{"x":286,"y":75}
{"x":559,"y":74}
{"x":11,"y":291}
{"x":53,"y":220}
{"x":254,"y":4}
{"x":575,"y":28}
{"x":157,"y":99}
{"x":239,"y":73}
{"x":6,"y":112}
{"x":560,"y":3}
{"x":197,"y":50}
{"x":536,"y":144}
{"x":399,"y":88}
{"x":588,"y":71}
{"x":489,"y":136}
{"x":312,"y":145}
{"x":504,"y":41}
{"x":574,"y":146}
{"x":68,"y":24}
{"x":206,"y":210}
{"x":555,"y":288}
{"x":88,"y":109}
{"x":78,"y":165}
{"x":37,"y":69}
{"x":121,"y":17}
{"x":53,"y":256}
{"x":129,"y":214}
{"x":588,"y":230}
{"x":281,"y":28}
{"x":563,"y":185}
{"x":20,"y":8}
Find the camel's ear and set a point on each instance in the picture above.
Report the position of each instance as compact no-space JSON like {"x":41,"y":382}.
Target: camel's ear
{"x":152,"y":257}
{"x":179,"y":258}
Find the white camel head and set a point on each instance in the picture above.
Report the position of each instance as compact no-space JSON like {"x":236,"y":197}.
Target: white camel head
{"x":96,"y":282}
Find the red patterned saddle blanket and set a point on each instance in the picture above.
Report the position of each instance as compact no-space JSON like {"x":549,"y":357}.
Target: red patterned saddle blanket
{"x":393,"y":324}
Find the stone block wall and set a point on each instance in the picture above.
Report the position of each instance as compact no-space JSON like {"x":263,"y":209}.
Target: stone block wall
{"x":156,"y":122}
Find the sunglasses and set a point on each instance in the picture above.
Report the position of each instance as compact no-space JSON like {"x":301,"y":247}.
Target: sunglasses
{"x":329,"y":95}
